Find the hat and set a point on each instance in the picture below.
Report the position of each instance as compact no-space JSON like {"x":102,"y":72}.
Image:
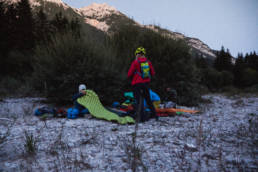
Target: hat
{"x":82,"y":87}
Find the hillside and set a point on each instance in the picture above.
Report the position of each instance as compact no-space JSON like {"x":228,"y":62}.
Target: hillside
{"x":107,"y":19}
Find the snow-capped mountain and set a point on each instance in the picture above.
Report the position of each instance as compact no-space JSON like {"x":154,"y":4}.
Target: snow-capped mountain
{"x":106,"y":18}
{"x":102,"y":17}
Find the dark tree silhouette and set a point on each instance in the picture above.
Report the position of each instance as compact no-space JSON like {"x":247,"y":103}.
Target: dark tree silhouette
{"x":26,"y":26}
{"x":223,"y":60}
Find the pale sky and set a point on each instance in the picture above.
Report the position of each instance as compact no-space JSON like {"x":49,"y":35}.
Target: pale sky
{"x":231,"y":23}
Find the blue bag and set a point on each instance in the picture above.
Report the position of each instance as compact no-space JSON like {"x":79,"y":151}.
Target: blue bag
{"x":72,"y":113}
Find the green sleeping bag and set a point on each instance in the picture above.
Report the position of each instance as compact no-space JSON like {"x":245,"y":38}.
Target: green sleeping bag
{"x":92,"y":103}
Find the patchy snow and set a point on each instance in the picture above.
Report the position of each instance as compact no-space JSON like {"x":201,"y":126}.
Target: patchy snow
{"x":95,"y":13}
{"x":98,"y":11}
{"x":33,"y":3}
{"x":196,"y":43}
{"x":101,"y":25}
{"x":36,"y":3}
{"x":223,"y":137}
{"x":192,"y":42}
{"x":12,"y":107}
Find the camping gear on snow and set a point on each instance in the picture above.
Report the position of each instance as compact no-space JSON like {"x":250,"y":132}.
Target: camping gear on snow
{"x":169,"y":104}
{"x":120,"y":113}
{"x":115,"y":104}
{"x":92,"y":103}
{"x":50,"y":112}
{"x":73,"y":113}
{"x":170,"y":99}
{"x":164,"y":111}
{"x":129,"y":98}
{"x":169,"y":114}
{"x":44,"y":110}
{"x":153,"y":96}
{"x":173,"y":110}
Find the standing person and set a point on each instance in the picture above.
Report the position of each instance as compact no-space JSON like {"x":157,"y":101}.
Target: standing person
{"x":140,"y":72}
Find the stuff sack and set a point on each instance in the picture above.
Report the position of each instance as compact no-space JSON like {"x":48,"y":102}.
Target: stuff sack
{"x":72,"y":113}
{"x":44,"y":110}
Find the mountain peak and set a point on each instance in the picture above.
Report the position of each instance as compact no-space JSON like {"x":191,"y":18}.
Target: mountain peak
{"x":55,"y":1}
{"x":98,"y":11}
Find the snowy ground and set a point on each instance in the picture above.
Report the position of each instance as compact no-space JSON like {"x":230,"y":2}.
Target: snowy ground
{"x":223,"y":137}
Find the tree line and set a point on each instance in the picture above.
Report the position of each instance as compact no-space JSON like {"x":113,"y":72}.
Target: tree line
{"x":21,"y":31}
{"x":225,"y":71}
{"x":52,"y":56}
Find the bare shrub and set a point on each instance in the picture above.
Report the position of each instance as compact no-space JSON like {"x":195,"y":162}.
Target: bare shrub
{"x":30,"y":143}
{"x":134,"y":156}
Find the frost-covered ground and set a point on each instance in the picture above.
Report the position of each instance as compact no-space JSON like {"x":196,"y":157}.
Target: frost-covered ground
{"x":223,"y":137}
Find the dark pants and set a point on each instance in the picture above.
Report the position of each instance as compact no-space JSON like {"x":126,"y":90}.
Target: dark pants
{"x":142,"y":90}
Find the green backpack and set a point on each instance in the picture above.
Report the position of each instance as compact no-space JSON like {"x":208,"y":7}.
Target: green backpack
{"x":145,"y":69}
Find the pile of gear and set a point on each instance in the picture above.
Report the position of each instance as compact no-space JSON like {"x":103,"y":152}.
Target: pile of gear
{"x":141,"y":104}
{"x":87,"y":102}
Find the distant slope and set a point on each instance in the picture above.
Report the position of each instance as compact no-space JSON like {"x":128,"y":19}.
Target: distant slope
{"x":104,"y":18}
{"x":52,"y":7}
{"x":108,"y":19}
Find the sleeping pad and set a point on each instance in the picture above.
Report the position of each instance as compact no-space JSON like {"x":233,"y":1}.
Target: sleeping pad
{"x":92,"y":103}
{"x":173,"y":110}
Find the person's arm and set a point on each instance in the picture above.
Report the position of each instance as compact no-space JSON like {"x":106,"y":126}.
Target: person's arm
{"x":131,"y":70}
{"x":152,"y":71}
{"x":76,"y":96}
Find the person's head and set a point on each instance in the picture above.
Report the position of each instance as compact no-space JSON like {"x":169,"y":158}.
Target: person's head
{"x":82,"y":88}
{"x":168,"y":89}
{"x":140,"y":52}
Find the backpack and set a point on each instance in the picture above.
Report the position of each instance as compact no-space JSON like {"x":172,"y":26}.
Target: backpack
{"x":145,"y":69}
{"x":44,"y":110}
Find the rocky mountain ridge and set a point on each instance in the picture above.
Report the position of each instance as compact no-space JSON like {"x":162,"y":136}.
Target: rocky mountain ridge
{"x":95,"y":15}
{"x":104,"y":17}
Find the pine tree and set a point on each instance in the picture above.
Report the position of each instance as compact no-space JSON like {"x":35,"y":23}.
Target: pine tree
{"x":201,"y":62}
{"x":252,"y":60}
{"x":3,"y":40}
{"x":3,"y":28}
{"x":12,"y":27}
{"x":42,"y":27}
{"x":223,"y":60}
{"x":60,"y":23}
{"x":76,"y":27}
{"x":239,"y":68}
{"x":26,"y":27}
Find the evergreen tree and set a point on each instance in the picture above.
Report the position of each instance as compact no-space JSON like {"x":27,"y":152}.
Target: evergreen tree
{"x":3,"y":28}
{"x":25,"y":37}
{"x":201,"y":62}
{"x":223,"y":60}
{"x":76,"y":27}
{"x":60,"y":23}
{"x":3,"y":40}
{"x":252,"y":61}
{"x":42,"y":27}
{"x":12,"y":27}
{"x":239,"y":68}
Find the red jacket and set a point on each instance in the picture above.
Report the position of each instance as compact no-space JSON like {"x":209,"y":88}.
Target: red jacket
{"x":135,"y":69}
